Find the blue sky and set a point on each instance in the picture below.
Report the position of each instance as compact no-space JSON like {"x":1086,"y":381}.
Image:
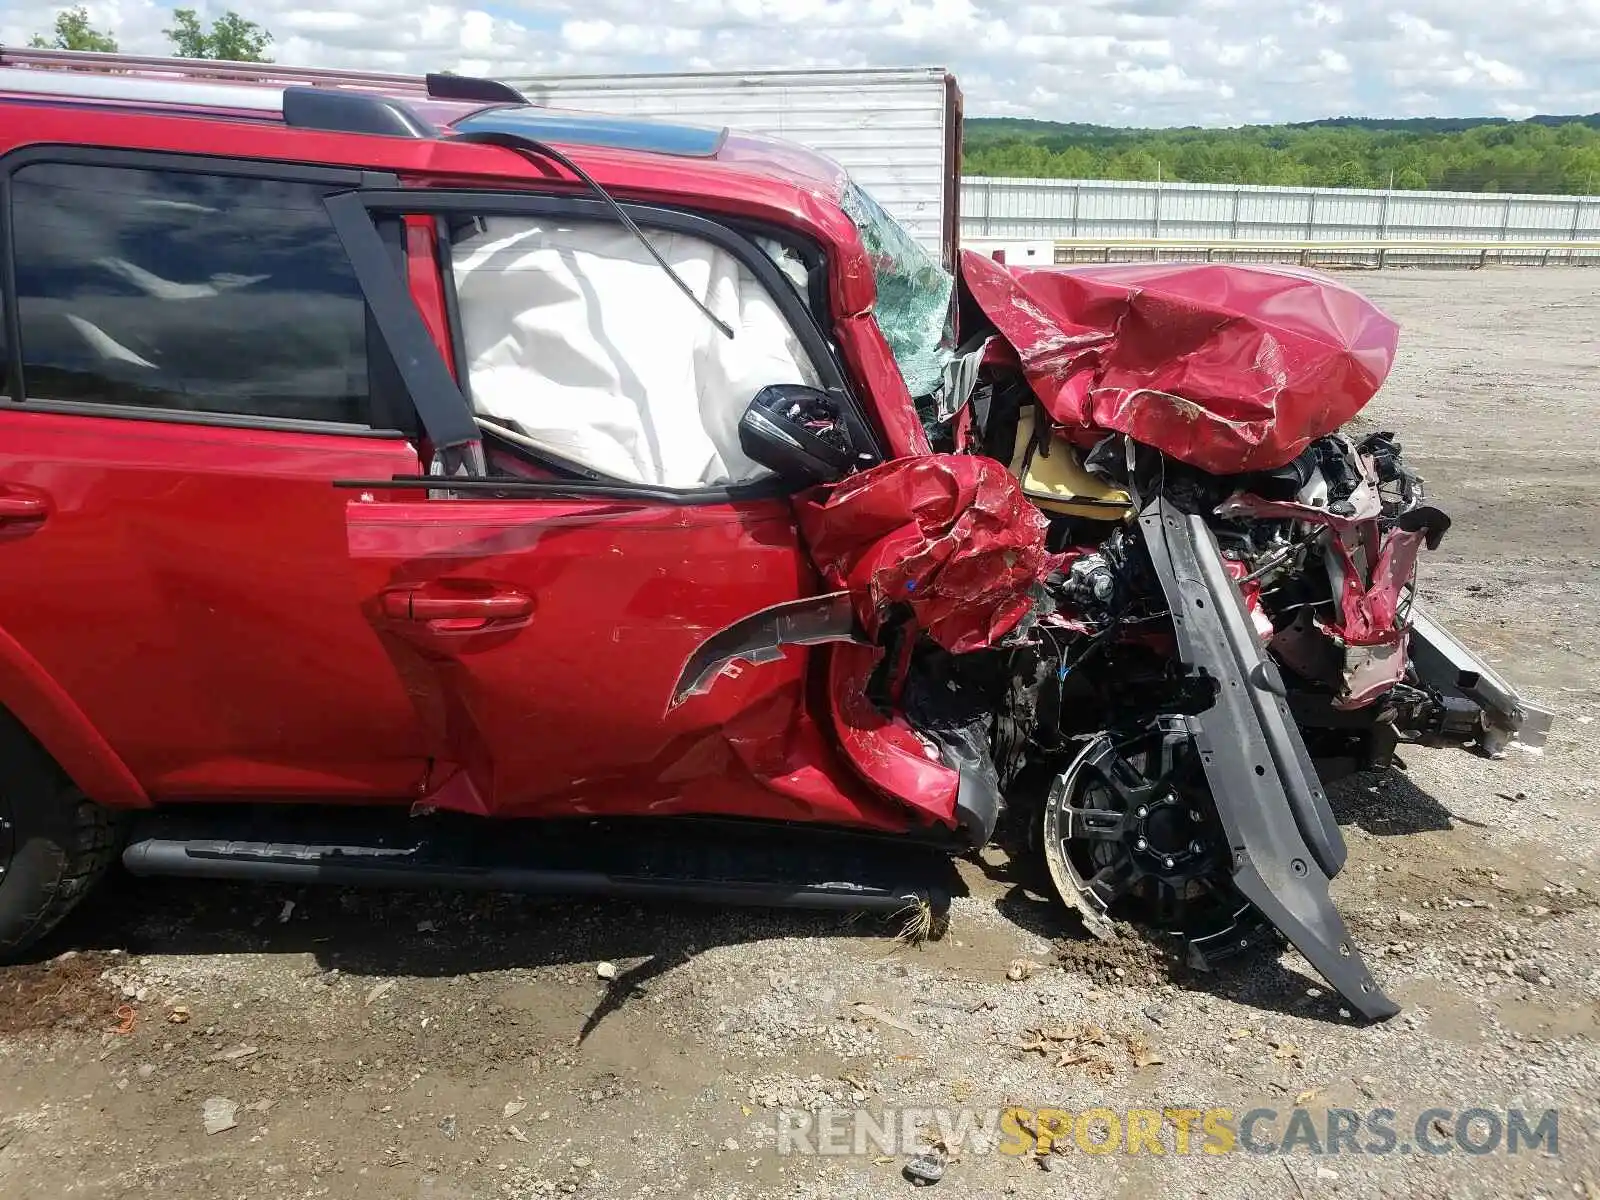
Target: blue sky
{"x":1123,"y":62}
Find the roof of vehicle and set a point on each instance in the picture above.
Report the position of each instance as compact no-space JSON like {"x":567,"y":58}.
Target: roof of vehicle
{"x":432,"y":107}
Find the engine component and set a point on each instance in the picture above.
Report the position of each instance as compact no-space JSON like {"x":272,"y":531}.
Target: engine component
{"x":1091,"y":585}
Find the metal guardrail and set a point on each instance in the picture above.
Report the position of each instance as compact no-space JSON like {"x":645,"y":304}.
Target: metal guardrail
{"x":1016,"y":210}
{"x":1325,"y":253}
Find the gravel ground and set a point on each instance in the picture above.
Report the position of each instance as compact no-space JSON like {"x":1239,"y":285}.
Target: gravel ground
{"x":382,"y":1045}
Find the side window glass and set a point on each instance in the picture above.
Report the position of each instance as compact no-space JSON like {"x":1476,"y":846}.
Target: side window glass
{"x":182,"y":291}
{"x":580,"y":346}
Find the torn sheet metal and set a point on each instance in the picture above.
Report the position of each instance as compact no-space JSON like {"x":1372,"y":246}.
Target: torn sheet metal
{"x":1371,"y":603}
{"x":882,"y":746}
{"x":1225,"y":367}
{"x":760,"y":637}
{"x":951,"y":538}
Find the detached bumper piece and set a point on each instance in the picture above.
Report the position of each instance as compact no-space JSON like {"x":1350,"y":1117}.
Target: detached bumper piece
{"x":701,"y":860}
{"x":1489,"y":707}
{"x":1284,"y":842}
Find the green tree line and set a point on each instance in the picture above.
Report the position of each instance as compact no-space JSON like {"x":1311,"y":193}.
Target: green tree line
{"x":230,"y":37}
{"x":1542,"y":154}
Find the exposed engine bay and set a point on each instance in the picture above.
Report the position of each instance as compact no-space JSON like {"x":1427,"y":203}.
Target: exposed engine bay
{"x":1146,"y":596}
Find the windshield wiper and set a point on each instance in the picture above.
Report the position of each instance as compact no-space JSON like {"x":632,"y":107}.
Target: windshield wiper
{"x":537,"y":149}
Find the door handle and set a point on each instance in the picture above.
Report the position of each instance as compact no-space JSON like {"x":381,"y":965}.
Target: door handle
{"x":20,"y":506}
{"x":449,"y":610}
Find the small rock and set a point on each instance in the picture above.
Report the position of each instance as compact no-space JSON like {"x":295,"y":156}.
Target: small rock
{"x":924,"y":1170}
{"x":1155,"y":1014}
{"x":607,"y":971}
{"x":427,"y":926}
{"x":731,"y":1144}
{"x":1407,"y":920}
{"x":286,"y":912}
{"x":218,"y":1113}
{"x":582,"y":1164}
{"x":1529,"y":972}
{"x":512,"y":1108}
{"x":233,"y":1055}
{"x":1327,"y":1175}
{"x":146,"y":1070}
{"x":447,"y":1126}
{"x":1020,"y":969}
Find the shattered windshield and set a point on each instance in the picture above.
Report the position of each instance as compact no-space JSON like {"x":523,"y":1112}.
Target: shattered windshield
{"x":914,"y":291}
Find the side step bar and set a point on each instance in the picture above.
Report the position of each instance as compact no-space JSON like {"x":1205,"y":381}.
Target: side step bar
{"x":702,"y":860}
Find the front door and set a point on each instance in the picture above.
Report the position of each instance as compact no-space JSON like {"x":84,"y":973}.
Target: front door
{"x":540,"y":605}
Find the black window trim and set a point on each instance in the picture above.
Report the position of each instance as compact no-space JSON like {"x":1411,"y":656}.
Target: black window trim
{"x":13,"y":387}
{"x":441,"y":203}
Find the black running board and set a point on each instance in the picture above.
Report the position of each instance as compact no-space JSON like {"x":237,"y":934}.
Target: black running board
{"x":702,"y":860}
{"x":1281,"y":832}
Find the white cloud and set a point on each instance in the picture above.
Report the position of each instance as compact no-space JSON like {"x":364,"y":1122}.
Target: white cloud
{"x":1157,"y":62}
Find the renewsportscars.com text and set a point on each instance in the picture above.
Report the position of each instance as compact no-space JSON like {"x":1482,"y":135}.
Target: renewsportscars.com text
{"x":1176,"y":1131}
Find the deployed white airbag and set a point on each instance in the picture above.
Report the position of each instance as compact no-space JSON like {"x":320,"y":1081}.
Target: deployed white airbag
{"x":577,"y":340}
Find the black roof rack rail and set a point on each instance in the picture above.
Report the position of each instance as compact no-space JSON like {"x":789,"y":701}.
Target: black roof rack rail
{"x":443,"y":86}
{"x":351,"y":112}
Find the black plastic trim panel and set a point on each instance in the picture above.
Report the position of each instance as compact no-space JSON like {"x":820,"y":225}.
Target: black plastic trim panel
{"x":1281,"y":833}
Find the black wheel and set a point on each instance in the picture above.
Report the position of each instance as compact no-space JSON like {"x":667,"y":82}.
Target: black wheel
{"x":1129,"y":830}
{"x":54,"y":841}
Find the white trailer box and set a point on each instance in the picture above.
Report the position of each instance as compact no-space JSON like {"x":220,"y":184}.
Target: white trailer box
{"x":898,"y":132}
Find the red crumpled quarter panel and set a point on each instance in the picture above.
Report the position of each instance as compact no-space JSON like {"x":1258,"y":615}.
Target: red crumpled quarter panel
{"x":1227,"y":368}
{"x":950,"y":536}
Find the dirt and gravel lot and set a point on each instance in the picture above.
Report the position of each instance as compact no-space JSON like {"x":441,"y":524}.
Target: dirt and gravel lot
{"x":445,"y":1046}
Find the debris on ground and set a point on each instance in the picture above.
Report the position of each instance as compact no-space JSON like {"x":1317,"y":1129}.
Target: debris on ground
{"x":1020,"y":969}
{"x":233,"y":1055}
{"x":1140,"y":1052}
{"x":68,"y":991}
{"x":924,"y":1170}
{"x":218,"y":1114}
{"x":378,"y":990}
{"x":873,"y":1013}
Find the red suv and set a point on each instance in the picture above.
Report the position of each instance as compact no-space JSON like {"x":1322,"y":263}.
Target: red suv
{"x":382,"y":455}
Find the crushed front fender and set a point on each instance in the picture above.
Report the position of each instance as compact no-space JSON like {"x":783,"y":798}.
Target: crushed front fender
{"x":1284,"y":842}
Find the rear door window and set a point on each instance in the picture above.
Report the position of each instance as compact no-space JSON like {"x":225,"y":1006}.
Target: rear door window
{"x":186,"y":292}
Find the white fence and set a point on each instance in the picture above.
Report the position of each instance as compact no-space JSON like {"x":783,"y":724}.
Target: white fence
{"x":1102,"y":211}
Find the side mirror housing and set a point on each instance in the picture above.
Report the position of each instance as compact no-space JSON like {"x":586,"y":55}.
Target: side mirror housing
{"x":798,"y":433}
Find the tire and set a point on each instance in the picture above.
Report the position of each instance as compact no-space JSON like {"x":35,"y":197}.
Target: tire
{"x":55,"y":842}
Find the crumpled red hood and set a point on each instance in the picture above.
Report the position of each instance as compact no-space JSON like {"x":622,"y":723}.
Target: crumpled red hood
{"x":1228,"y":368}
{"x":951,"y":537}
